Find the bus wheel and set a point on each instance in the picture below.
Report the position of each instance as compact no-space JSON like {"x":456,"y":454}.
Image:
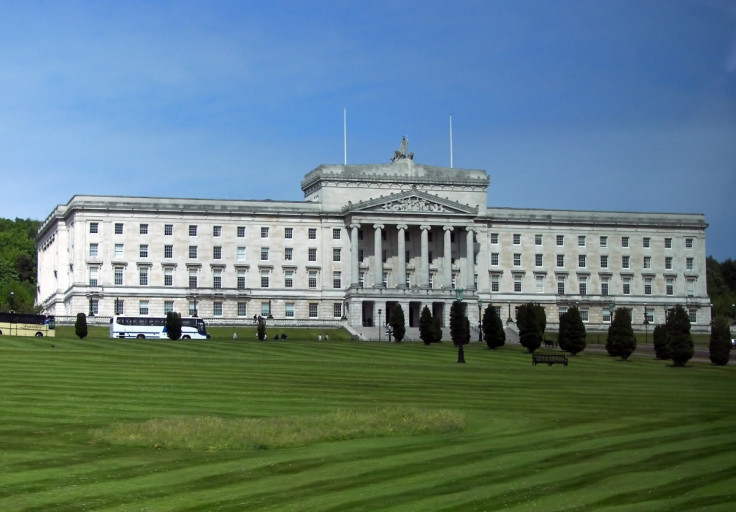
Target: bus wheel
{"x":39,"y":335}
{"x":141,"y":337}
{"x":185,"y":338}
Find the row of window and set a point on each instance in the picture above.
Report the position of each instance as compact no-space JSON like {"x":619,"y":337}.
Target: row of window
{"x":604,"y":261}
{"x":646,"y":241}
{"x":626,"y":285}
{"x":94,"y":228}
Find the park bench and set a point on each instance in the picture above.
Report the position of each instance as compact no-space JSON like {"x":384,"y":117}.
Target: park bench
{"x":549,"y":359}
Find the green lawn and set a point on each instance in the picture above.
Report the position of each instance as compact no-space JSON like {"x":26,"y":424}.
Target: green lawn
{"x":597,"y":435}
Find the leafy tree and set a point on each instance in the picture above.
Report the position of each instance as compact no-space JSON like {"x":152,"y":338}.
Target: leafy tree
{"x":621,"y":341}
{"x":261,"y":329}
{"x":493,"y":331}
{"x":173,"y":325}
{"x":679,"y":338}
{"x":572,"y":331}
{"x":659,"y":338}
{"x":720,"y":343}
{"x":80,"y":326}
{"x":398,"y":323}
{"x":430,"y":330}
{"x":530,"y":333}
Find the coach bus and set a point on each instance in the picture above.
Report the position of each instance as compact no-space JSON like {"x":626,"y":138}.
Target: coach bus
{"x":154,"y":327}
{"x":26,"y":324}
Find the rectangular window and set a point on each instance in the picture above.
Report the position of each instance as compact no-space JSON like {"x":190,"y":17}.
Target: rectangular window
{"x":265,"y":278}
{"x":241,"y":279}
{"x":361,"y":280}
{"x":604,"y":241}
{"x":649,"y":315}
{"x":118,"y":228}
{"x":693,"y":315}
{"x":289,"y":278}
{"x":517,"y":259}
{"x":312,"y":254}
{"x":336,"y":255}
{"x":217,"y":252}
{"x":582,"y":285}
{"x":624,"y":241}
{"x":691,"y":287}
{"x":264,"y":253}
{"x":517,"y":283}
{"x":240,"y":231}
{"x":288,"y":254}
{"x":143,"y":276}
{"x":560,"y":285}
{"x":668,"y":243}
{"x":313,"y":310}
{"x":336,"y":233}
{"x":537,"y":239}
{"x":313,"y":279}
{"x":604,"y":261}
{"x":192,"y":278}
{"x":193,"y":252}
{"x":217,"y":308}
{"x":312,"y":234}
{"x":560,"y":240}
{"x":337,"y":309}
{"x":688,"y":243}
{"x":647,"y":262}
{"x":581,"y":241}
{"x":240,"y":253}
{"x":143,"y":250}
{"x":494,"y":258}
{"x":689,"y":264}
{"x":581,"y":260}
{"x":646,"y":241}
{"x":560,"y":260}
{"x":647,"y":286}
{"x":670,"y":286}
{"x":668,"y":262}
{"x":192,"y":230}
{"x":118,"y":250}
{"x":360,"y":255}
{"x":627,"y":286}
{"x":217,"y":232}
{"x":143,"y":307}
{"x":337,"y":280}
{"x":539,"y":283}
{"x":607,"y":315}
{"x":118,"y":276}
{"x":495,"y":283}
{"x":143,"y":229}
{"x":604,"y":286}
{"x":242,"y":309}
{"x":289,"y":310}
{"x":217,"y":278}
{"x":289,"y":233}
{"x":431,"y":279}
{"x":264,"y":232}
{"x":584,"y":314}
{"x":168,"y":306}
{"x":93,"y":276}
{"x":494,"y":238}
{"x":93,"y":250}
{"x":625,"y":261}
{"x":192,"y":308}
{"x":517,"y":239}
{"x":538,"y":260}
{"x":168,"y":251}
{"x":94,"y":227}
{"x":168,"y":276}
{"x":168,"y":229}
{"x":384,"y":280}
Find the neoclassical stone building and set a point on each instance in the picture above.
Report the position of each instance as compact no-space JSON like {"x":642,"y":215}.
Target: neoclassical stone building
{"x":366,"y":238}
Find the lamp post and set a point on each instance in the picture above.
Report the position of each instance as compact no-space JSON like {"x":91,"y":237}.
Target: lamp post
{"x":117,"y":311}
{"x":480,"y":320}
{"x":379,"y":323}
{"x":12,"y":301}
{"x":459,"y":301}
{"x":612,"y":310}
{"x":389,"y":331}
{"x":509,"y":320}
{"x":646,"y":326}
{"x":666,"y":309}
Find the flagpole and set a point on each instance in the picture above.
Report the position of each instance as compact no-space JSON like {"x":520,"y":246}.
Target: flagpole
{"x":345,"y":133}
{"x":450,"y":141}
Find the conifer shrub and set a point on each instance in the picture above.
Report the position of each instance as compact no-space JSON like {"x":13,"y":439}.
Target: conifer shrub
{"x":80,"y":326}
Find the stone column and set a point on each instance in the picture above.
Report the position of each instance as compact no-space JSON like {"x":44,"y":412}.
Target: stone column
{"x":378,"y":256}
{"x":402,"y":256}
{"x":469,"y":259}
{"x":424,"y":263}
{"x":447,"y":259}
{"x":354,"y":251}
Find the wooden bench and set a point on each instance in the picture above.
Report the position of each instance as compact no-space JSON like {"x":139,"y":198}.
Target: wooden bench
{"x":549,"y":359}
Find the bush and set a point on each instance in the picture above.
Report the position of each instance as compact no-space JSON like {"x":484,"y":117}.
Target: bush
{"x":530,"y":328}
{"x":398,"y":323}
{"x":572,"y":331}
{"x":678,"y":336}
{"x":173,"y":325}
{"x":493,"y":331}
{"x":720,"y":343}
{"x":459,"y":325}
{"x":80,"y":326}
{"x":429,"y":327}
{"x":659,"y":338}
{"x":621,"y":341}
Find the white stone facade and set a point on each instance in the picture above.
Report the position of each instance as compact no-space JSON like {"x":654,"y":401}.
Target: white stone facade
{"x":366,"y":237}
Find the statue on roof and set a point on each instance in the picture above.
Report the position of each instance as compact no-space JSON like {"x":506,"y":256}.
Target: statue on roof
{"x":400,"y":153}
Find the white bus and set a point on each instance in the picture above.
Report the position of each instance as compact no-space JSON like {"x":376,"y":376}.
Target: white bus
{"x":154,"y":327}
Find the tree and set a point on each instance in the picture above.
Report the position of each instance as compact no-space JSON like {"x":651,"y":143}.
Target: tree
{"x":261,"y":329}
{"x":678,"y":336}
{"x":173,"y":325}
{"x":621,"y":341}
{"x":493,"y":331}
{"x":80,"y":326}
{"x":530,"y":334}
{"x":459,"y":329}
{"x":720,"y":343}
{"x":397,"y":323}
{"x":429,"y":327}
{"x":659,"y":339}
{"x":572,"y":331}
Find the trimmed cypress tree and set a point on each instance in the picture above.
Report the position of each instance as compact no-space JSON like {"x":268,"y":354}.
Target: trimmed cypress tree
{"x":527,"y":320}
{"x":436,"y":329}
{"x":426,"y":326}
{"x":572,"y":336}
{"x":457,"y":324}
{"x":261,"y":329}
{"x":720,"y":342}
{"x":659,"y":338}
{"x":80,"y":326}
{"x":173,"y":325}
{"x":678,"y":336}
{"x":493,"y":331}
{"x":397,"y":323}
{"x":621,"y":341}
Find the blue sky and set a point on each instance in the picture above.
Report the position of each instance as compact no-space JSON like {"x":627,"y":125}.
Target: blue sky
{"x":593,"y":105}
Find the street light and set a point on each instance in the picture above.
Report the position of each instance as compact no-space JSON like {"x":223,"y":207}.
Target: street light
{"x":389,"y":331}
{"x":12,"y":301}
{"x":480,"y":322}
{"x":646,"y":326}
{"x":509,"y":320}
{"x":117,"y":307}
{"x":379,"y":323}
{"x":666,"y":309}
{"x":459,"y":301}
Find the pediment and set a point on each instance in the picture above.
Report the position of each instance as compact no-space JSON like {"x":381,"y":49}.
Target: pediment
{"x":412,"y":201}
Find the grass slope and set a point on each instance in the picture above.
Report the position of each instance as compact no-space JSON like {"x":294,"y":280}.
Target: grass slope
{"x":597,"y":435}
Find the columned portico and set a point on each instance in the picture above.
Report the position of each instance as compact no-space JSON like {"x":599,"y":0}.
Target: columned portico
{"x":378,"y":256}
{"x":354,"y":251}
{"x":424,"y":257}
{"x":469,"y":258}
{"x":401,"y":256}
{"x":447,"y":258}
